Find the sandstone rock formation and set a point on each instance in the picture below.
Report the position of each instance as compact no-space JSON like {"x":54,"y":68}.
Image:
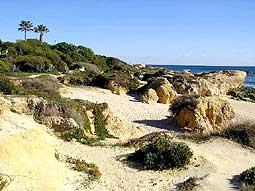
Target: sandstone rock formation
{"x":212,"y":83}
{"x":202,"y":114}
{"x":64,"y":117}
{"x":28,"y":155}
{"x":150,"y":96}
{"x":164,"y":90}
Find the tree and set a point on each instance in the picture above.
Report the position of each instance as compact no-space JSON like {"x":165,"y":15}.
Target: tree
{"x":41,"y":29}
{"x":25,"y":26}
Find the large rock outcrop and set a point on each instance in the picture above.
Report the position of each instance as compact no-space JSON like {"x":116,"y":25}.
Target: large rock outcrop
{"x":212,"y":83}
{"x":165,"y":91}
{"x":202,"y":114}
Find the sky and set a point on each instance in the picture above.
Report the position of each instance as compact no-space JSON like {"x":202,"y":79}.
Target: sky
{"x":190,"y":32}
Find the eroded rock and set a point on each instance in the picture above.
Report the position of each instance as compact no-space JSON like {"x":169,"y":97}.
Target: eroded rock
{"x":164,"y":90}
{"x":212,"y":83}
{"x":202,"y":114}
{"x":150,"y":96}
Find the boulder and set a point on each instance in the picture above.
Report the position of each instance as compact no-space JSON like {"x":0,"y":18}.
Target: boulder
{"x":164,"y":90}
{"x":202,"y":114}
{"x":209,"y":84}
{"x":150,"y":96}
{"x":115,"y":88}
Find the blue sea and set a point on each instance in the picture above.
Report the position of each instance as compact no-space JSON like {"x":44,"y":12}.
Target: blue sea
{"x":250,"y":79}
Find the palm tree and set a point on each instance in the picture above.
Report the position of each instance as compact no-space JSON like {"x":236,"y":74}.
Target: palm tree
{"x":41,"y":29}
{"x":25,"y":26}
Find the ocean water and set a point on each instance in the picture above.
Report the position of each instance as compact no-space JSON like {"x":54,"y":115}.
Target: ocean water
{"x":250,"y":79}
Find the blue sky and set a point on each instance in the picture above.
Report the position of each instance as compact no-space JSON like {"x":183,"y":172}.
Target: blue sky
{"x":205,"y":32}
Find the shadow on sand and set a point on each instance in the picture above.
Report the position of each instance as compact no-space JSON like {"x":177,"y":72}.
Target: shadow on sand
{"x":235,"y":182}
{"x":165,"y":124}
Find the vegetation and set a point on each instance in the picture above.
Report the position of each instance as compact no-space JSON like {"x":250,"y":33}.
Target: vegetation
{"x":188,"y":185}
{"x":47,"y":87}
{"x":82,"y":166}
{"x":243,"y":93}
{"x":162,"y":154}
{"x":197,"y":137}
{"x":3,"y":183}
{"x":247,"y":179}
{"x":6,"y":86}
{"x":89,"y":69}
{"x":243,"y":133}
{"x":190,"y":102}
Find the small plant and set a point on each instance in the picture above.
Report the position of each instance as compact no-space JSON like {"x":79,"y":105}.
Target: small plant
{"x":188,"y":185}
{"x":162,"y":154}
{"x":248,"y":177}
{"x":3,"y":182}
{"x":243,"y":133}
{"x":243,"y":93}
{"x":197,"y":137}
{"x":79,"y":135}
{"x":6,"y":86}
{"x":82,"y":166}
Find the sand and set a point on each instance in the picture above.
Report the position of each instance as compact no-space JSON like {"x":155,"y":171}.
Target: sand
{"x":29,"y":150}
{"x":219,"y":160}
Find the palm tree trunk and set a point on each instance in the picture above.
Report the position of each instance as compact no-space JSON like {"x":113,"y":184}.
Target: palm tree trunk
{"x":41,"y":37}
{"x":25,"y":35}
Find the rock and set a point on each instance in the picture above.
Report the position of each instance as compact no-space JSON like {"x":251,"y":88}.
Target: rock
{"x":212,"y":83}
{"x":140,"y":66}
{"x":150,"y":96}
{"x":116,"y":89}
{"x":202,"y":114}
{"x":164,"y":90}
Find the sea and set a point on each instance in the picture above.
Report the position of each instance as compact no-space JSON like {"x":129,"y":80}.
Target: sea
{"x":250,"y":70}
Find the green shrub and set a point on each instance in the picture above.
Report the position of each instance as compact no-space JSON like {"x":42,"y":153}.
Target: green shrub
{"x":80,"y":78}
{"x":30,"y":63}
{"x":162,"y":154}
{"x":6,"y":86}
{"x":188,"y":185}
{"x":243,"y":133}
{"x":3,"y":183}
{"x":243,"y":93}
{"x":188,"y":102}
{"x":79,"y":135}
{"x":100,"y":123}
{"x":248,"y":177}
{"x":43,"y":86}
{"x":82,"y":166}
{"x":5,"y":66}
{"x":123,"y":79}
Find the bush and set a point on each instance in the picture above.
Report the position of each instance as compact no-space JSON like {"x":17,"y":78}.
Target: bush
{"x":162,"y":155}
{"x":248,"y":177}
{"x":188,"y":185}
{"x":243,"y":93}
{"x":123,"y":79}
{"x":80,"y":78}
{"x":100,"y":123}
{"x":82,"y":166}
{"x":189,"y":102}
{"x":243,"y":133}
{"x":30,"y":63}
{"x":42,"y":86}
{"x":5,"y":66}
{"x":3,"y":183}
{"x":6,"y":86}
